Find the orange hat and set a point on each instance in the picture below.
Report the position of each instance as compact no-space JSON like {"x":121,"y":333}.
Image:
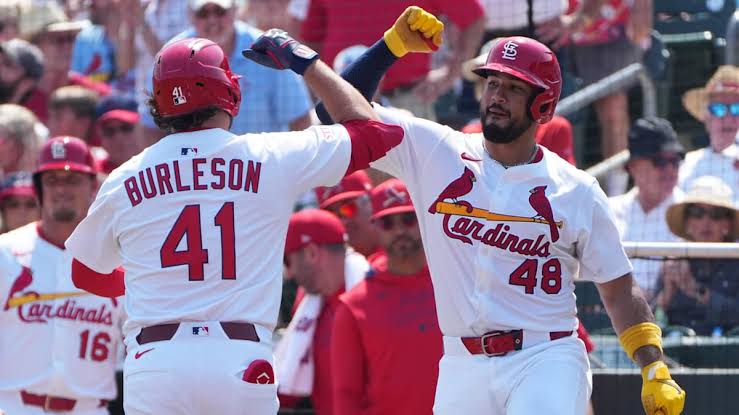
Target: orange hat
{"x":351,"y":186}
{"x":390,"y":197}
{"x":313,"y":226}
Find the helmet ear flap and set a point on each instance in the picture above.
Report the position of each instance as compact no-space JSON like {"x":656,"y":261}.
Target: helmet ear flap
{"x":542,"y":107}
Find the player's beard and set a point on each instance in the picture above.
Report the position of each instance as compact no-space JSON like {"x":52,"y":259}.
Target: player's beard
{"x":64,"y":214}
{"x":502,"y":135}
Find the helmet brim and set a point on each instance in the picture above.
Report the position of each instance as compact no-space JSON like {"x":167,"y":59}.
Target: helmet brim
{"x":484,"y":71}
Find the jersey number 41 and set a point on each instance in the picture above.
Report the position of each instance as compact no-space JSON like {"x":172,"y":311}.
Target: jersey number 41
{"x":188,"y":226}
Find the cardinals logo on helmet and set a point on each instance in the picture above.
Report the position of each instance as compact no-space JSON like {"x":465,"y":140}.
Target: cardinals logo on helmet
{"x":509,"y":50}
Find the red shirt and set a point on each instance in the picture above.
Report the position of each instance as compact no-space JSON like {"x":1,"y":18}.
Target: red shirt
{"x":338,"y":24}
{"x":610,"y":26}
{"x":386,"y":345}
{"x":556,"y":136}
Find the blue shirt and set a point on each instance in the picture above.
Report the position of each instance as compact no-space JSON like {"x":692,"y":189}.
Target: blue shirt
{"x":270,"y":99}
{"x":93,"y":55}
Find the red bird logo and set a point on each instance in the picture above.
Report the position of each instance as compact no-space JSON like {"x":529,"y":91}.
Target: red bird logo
{"x":21,"y":283}
{"x":543,"y":208}
{"x":456,"y":189}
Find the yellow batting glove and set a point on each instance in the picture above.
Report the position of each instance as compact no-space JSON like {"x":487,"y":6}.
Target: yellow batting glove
{"x":416,"y":30}
{"x":660,"y":395}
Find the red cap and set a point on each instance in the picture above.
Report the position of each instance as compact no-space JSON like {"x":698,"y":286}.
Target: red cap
{"x":313,"y":226}
{"x":17,"y":184}
{"x":351,"y":186}
{"x":128,"y":117}
{"x":390,"y":197}
{"x":66,"y":153}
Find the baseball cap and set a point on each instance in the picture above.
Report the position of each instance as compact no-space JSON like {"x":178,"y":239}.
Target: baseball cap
{"x":47,"y":17}
{"x":65,"y":153}
{"x":17,"y":184}
{"x":347,"y":56}
{"x":469,"y":66}
{"x":26,"y":55}
{"x":123,"y":108}
{"x":351,"y":186}
{"x":653,"y":135}
{"x":196,"y":5}
{"x":390,"y":197}
{"x":313,"y":226}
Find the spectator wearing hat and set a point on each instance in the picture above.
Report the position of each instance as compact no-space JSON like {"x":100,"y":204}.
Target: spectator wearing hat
{"x":717,"y":106}
{"x":317,"y":257}
{"x":655,"y":156}
{"x":18,"y":203}
{"x":703,"y":293}
{"x":556,"y":135}
{"x":349,"y":201}
{"x":21,"y":68}
{"x":387,"y":324}
{"x":72,"y":112}
{"x":9,"y":14}
{"x":19,"y":140}
{"x":117,"y":119}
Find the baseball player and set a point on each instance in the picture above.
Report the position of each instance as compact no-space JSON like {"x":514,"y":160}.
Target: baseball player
{"x":59,"y":347}
{"x":202,"y":299}
{"x":507,"y":226}
{"x":386,"y":342}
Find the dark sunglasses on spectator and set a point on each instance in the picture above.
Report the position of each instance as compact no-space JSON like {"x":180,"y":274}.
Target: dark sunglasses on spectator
{"x":60,"y":39}
{"x":346,"y":209}
{"x":206,"y":12}
{"x":715,"y":213}
{"x":720,"y":109}
{"x":662,"y":161}
{"x":391,"y":221}
{"x":110,"y":131}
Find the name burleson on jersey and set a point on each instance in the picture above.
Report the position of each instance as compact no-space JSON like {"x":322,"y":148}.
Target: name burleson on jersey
{"x":167,"y":178}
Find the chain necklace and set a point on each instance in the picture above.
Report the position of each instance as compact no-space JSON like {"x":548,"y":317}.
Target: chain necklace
{"x":506,"y":166}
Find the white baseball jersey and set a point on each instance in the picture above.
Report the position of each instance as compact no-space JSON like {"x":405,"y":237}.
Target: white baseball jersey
{"x":503,"y":245}
{"x":198,"y":220}
{"x":56,"y":339}
{"x":706,"y":162}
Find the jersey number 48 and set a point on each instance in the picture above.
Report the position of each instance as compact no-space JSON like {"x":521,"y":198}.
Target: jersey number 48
{"x":195,"y":256}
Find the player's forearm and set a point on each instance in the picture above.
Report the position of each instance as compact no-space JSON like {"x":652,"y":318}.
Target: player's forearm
{"x":364,"y":74}
{"x":627,"y":307}
{"x":343,"y":102}
{"x":104,"y":285}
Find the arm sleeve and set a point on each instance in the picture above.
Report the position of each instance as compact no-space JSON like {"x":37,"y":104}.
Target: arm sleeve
{"x":461,"y":13}
{"x":313,"y":28}
{"x":347,"y":363}
{"x":290,"y":99}
{"x":602,"y":256}
{"x":104,"y":285}
{"x":94,"y":241}
{"x":317,"y":156}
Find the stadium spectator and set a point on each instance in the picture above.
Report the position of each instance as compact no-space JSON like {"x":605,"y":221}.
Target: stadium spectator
{"x":21,"y":68}
{"x":717,"y":106}
{"x":655,"y":156}
{"x":332,"y":25}
{"x":612,"y":40}
{"x":349,"y":201}
{"x":387,"y":323}
{"x":277,"y":100}
{"x":266,"y":14}
{"x":116,"y":120}
{"x":703,"y":293}
{"x":9,"y":15}
{"x":18,"y":203}
{"x":318,"y":259}
{"x":556,"y":135}
{"x":97,"y":48}
{"x":19,"y":141}
{"x":72,"y":112}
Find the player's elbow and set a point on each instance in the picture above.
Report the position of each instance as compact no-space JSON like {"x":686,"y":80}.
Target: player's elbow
{"x":371,"y":140}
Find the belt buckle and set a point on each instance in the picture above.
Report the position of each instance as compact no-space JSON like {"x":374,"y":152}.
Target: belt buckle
{"x":491,"y":335}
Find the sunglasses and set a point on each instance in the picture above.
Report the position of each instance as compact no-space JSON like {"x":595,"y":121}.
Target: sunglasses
{"x":661,"y":162}
{"x":715,"y":213}
{"x":206,"y":12}
{"x":60,"y":39}
{"x":346,"y":210}
{"x":110,"y":131}
{"x":720,"y":110}
{"x":389,"y":222}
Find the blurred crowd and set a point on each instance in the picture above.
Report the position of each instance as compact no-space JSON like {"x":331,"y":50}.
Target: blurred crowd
{"x":82,"y":68}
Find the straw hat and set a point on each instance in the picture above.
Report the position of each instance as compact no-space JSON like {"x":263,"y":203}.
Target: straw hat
{"x":46,"y":17}
{"x":470,"y":65}
{"x":709,"y":190}
{"x":726,"y":79}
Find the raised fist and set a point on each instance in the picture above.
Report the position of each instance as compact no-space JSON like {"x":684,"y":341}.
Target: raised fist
{"x":276,"y":49}
{"x":416,"y":30}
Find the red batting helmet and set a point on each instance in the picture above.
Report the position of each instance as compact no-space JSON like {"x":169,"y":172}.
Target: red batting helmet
{"x":530,"y":61}
{"x":193,"y":74}
{"x":63,"y":153}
